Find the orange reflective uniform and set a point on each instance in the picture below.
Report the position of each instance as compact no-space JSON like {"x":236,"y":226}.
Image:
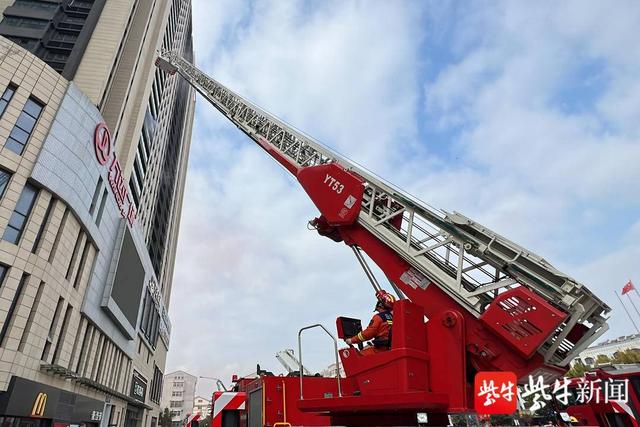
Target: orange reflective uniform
{"x":379,"y":330}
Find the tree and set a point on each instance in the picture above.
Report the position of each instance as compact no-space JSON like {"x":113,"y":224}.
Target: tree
{"x":205,"y":422}
{"x":502,"y":420}
{"x":464,"y":420}
{"x":577,"y":370}
{"x":164,"y":420}
{"x":627,"y":356}
{"x":602,"y":359}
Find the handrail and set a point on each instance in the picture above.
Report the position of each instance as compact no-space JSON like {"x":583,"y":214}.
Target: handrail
{"x":335,"y":348}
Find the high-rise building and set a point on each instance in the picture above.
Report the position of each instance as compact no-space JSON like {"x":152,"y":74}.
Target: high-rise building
{"x":93,"y":150}
{"x":179,"y":396}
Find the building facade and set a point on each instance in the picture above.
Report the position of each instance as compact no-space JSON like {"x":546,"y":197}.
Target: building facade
{"x":202,"y":405}
{"x":93,"y":147}
{"x":608,"y":348}
{"x":179,"y":395}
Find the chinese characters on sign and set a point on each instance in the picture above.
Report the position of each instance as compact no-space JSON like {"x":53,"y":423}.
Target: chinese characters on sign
{"x":105,"y":154}
{"x":138,"y":386}
{"x":156,"y":295}
{"x":495,"y":392}
{"x":155,"y":292}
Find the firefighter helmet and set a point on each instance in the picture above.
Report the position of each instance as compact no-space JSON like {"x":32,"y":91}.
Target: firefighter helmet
{"x":385,"y":300}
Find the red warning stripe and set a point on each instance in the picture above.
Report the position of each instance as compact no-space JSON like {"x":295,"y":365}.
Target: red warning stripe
{"x":226,"y":401}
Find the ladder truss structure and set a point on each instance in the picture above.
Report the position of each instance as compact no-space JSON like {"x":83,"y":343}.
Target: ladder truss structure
{"x":467,"y":260}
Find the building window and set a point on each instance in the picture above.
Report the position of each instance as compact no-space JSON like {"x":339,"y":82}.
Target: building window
{"x":34,"y":4}
{"x":52,"y":329}
{"x":61,"y":228}
{"x":81,"y":5}
{"x":83,"y":262}
{"x":43,"y":225}
{"x":63,"y":334}
{"x":6,"y":98}
{"x":3,"y":273}
{"x":4,"y":181}
{"x":103,"y":203}
{"x":16,"y":21}
{"x":24,"y":42}
{"x":30,"y":320}
{"x":55,"y":57}
{"x":96,"y":195}
{"x":156,"y":385}
{"x":24,"y":126}
{"x":70,"y":38}
{"x":19,"y":217}
{"x":17,"y":297}
{"x":150,"y":320}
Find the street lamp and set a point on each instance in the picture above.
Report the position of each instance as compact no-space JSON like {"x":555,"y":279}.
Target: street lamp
{"x":218,"y":381}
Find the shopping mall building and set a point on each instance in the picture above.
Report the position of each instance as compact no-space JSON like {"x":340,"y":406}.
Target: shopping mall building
{"x":93,"y":151}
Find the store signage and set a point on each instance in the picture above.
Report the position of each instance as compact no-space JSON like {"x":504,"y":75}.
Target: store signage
{"x":164,"y":327}
{"x":106,"y":156}
{"x":31,"y":399}
{"x":39,"y":405}
{"x":96,"y":415}
{"x":138,"y":387}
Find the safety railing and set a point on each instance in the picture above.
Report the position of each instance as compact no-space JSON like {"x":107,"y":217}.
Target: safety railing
{"x":335,"y":349}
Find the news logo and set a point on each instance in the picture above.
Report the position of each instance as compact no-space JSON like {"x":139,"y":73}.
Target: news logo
{"x":496,"y":393}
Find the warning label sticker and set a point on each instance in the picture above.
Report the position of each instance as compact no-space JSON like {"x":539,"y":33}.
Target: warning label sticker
{"x":415,"y":279}
{"x":350,"y":202}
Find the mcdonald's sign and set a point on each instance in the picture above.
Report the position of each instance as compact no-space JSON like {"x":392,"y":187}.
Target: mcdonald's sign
{"x":39,"y":404}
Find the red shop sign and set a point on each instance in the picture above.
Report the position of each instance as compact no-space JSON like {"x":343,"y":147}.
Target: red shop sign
{"x":105,"y":155}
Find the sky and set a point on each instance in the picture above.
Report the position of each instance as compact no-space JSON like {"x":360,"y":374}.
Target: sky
{"x":523,"y":116}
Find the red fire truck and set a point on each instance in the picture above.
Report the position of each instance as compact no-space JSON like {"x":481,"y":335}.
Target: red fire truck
{"x":491,"y":304}
{"x":589,"y":405}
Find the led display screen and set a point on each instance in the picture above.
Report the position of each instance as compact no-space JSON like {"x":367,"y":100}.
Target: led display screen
{"x":129,"y":280}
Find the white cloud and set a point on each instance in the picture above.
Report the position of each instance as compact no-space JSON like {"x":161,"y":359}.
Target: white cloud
{"x":344,"y":72}
{"x":508,"y":92}
{"x":366,"y":77}
{"x":564,"y":181}
{"x":249,"y":274}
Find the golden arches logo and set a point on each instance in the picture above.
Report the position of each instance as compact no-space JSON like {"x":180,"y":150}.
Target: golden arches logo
{"x":39,"y":404}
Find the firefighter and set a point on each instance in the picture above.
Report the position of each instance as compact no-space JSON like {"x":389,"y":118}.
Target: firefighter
{"x":379,"y":329}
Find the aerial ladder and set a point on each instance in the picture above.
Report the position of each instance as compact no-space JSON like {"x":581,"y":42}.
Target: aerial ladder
{"x":290,"y":362}
{"x":491,"y":304}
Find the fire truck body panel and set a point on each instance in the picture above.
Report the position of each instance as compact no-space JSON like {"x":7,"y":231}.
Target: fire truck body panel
{"x":599,"y":411}
{"x":271,"y":399}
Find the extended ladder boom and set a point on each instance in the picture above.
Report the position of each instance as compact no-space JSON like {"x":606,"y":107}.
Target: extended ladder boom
{"x":468,"y":261}
{"x":290,"y":362}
